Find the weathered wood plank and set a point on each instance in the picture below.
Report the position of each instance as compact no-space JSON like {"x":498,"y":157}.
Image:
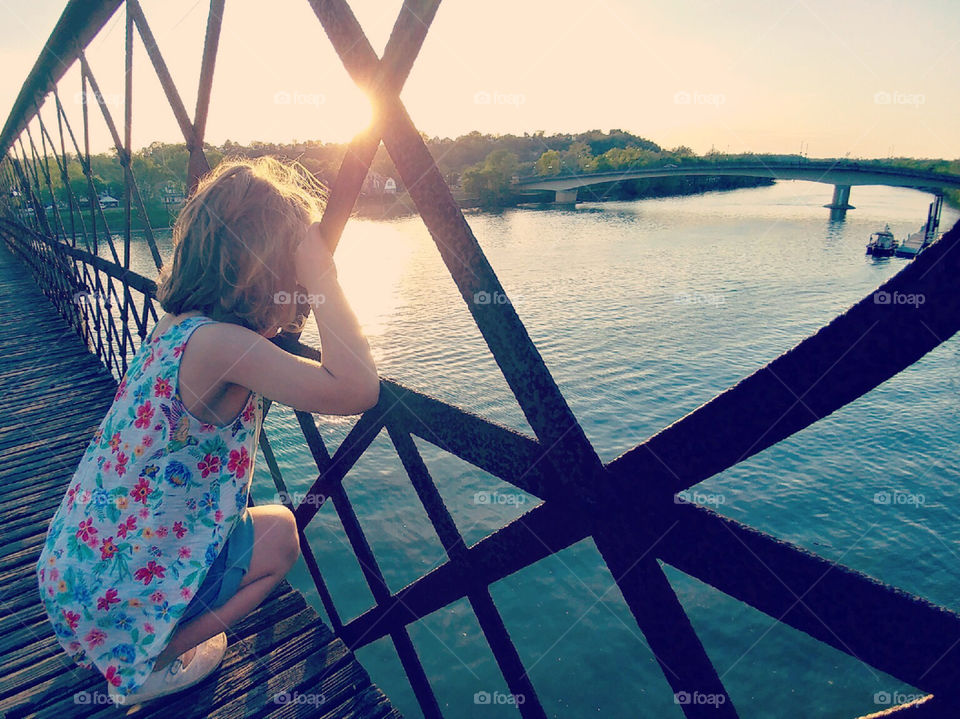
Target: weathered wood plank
{"x":46,"y":682}
{"x":53,"y":395}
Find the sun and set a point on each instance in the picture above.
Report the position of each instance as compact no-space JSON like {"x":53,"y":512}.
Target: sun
{"x":362,"y":113}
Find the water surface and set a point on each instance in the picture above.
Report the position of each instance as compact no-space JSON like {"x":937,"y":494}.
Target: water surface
{"x":643,"y":311}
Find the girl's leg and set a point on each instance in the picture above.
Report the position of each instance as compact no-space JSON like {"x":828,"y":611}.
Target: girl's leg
{"x":276,"y":547}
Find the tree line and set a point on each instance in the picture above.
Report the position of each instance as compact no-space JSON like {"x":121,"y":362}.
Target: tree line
{"x":481,"y":168}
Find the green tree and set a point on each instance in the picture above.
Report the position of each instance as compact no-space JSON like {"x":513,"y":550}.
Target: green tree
{"x":548,"y":163}
{"x":682,"y":152}
{"x":490,"y":180}
{"x":577,"y":158}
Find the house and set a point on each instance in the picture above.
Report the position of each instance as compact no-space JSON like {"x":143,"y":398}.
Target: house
{"x":376,"y":184}
{"x":108,"y":201}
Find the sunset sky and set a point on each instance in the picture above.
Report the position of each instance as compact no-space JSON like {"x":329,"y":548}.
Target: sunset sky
{"x":866,"y":78}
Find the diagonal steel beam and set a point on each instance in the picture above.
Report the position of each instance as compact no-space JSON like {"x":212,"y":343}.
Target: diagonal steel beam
{"x":211,"y":41}
{"x":918,"y":642}
{"x":401,"y":51}
{"x":124,"y":160}
{"x":520,"y":362}
{"x":163,"y":74}
{"x":403,"y":46}
{"x":542,"y":531}
{"x":879,"y":336}
{"x":628,"y":551}
{"x":752,"y":566}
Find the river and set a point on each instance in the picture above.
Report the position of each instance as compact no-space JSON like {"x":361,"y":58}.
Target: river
{"x":643,"y":311}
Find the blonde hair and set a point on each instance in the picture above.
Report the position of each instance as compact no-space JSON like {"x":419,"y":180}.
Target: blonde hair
{"x":234,"y":243}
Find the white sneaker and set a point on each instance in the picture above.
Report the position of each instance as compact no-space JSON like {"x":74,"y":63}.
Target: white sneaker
{"x":175,"y":677}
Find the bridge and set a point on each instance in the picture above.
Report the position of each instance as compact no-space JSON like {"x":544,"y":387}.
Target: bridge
{"x":626,"y":507}
{"x":841,"y":174}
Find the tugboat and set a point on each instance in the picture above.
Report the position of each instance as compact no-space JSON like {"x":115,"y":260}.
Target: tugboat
{"x":882,"y":243}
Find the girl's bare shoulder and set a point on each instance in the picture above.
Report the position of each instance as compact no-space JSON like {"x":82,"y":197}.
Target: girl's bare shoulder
{"x":214,"y":335}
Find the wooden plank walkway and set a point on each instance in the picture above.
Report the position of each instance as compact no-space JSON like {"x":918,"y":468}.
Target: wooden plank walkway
{"x":912,"y":245}
{"x":53,"y":394}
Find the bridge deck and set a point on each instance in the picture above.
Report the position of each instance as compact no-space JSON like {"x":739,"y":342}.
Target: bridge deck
{"x":53,"y":394}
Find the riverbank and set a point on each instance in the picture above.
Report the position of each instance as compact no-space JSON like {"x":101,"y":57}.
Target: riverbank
{"x":400,"y":204}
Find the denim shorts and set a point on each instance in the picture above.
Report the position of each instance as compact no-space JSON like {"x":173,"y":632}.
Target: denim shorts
{"x":225,"y":574}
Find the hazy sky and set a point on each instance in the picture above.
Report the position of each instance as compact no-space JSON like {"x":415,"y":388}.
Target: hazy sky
{"x":840,"y":76}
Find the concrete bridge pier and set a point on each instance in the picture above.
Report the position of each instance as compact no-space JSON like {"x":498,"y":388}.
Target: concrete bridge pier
{"x":566,"y":197}
{"x":840,"y":203}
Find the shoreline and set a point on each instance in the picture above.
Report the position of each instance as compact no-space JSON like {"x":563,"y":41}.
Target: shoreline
{"x":399,"y":205}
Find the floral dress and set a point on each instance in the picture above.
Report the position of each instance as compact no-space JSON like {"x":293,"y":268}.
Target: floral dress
{"x":154,"y":497}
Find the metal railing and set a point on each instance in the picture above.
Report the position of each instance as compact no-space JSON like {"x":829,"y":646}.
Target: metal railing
{"x":626,"y":506}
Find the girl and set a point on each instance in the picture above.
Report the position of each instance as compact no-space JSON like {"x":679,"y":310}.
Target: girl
{"x":153,"y":551}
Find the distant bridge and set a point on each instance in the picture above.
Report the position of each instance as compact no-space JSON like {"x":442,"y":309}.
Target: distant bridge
{"x":841,"y":174}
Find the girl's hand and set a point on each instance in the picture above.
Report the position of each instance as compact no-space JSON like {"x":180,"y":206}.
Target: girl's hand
{"x":313,"y":259}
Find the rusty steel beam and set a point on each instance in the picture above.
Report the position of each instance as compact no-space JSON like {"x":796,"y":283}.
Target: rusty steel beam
{"x":495,"y":448}
{"x":542,"y":531}
{"x":629,"y":553}
{"x":520,"y":362}
{"x":404,"y":44}
{"x":198,"y":164}
{"x":401,"y":51}
{"x":127,"y":134}
{"x":889,"y":629}
{"x":124,"y":157}
{"x":211,"y":43}
{"x":881,"y":335}
{"x":163,"y":74}
{"x":488,"y":616}
{"x":732,"y":557}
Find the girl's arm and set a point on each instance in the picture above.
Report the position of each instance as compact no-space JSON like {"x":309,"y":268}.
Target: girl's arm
{"x":344,"y":382}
